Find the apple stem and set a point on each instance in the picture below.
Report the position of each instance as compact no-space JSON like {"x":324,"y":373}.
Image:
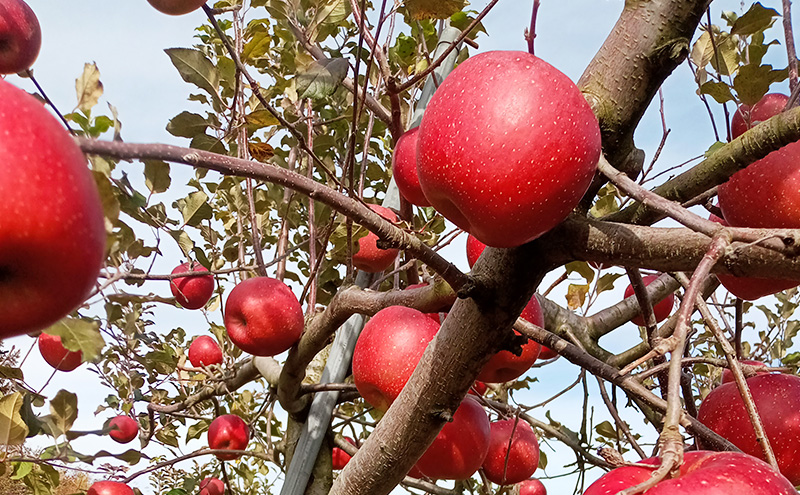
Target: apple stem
{"x":29,"y":73}
{"x":530,"y":34}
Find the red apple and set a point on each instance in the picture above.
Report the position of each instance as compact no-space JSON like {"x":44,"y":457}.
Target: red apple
{"x":746,"y":117}
{"x":192,"y":292}
{"x":20,"y":36}
{"x":460,"y":447}
{"x":109,"y":488}
{"x":125,"y":428}
{"x":57,"y":355}
{"x":478,"y":388}
{"x":433,"y":316}
{"x":505,"y":365}
{"x":727,"y":375}
{"x":523,"y":456}
{"x":176,"y":7}
{"x":507,"y":147}
{"x":340,"y":458}
{"x":52,"y":237}
{"x":777,"y":398}
{"x":661,"y":309}
{"x":474,"y":249}
{"x":263,"y":316}
{"x":529,"y":487}
{"x":404,"y":168}
{"x":547,"y":353}
{"x":204,"y":351}
{"x":212,"y":486}
{"x":702,"y":473}
{"x":387,"y":351}
{"x":228,"y":432}
{"x":369,"y":257}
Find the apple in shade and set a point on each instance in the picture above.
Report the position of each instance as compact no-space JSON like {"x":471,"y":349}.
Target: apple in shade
{"x":523,"y":454}
{"x":777,"y":398}
{"x":263,"y":316}
{"x":529,"y":487}
{"x":369,"y":257}
{"x":53,"y":235}
{"x":507,"y":158}
{"x":433,"y":316}
{"x":460,"y":447}
{"x":727,"y":375}
{"x":474,"y":249}
{"x":339,"y":457}
{"x":404,"y":168}
{"x":478,"y":388}
{"x":20,"y":36}
{"x":204,"y":351}
{"x":211,"y":486}
{"x":702,"y":473}
{"x":228,"y":432}
{"x":176,"y":7}
{"x":124,"y":428}
{"x":192,"y":292}
{"x":387,"y":351}
{"x":57,"y":355}
{"x":661,"y":309}
{"x":109,"y":488}
{"x":547,"y":353}
{"x":505,"y":365}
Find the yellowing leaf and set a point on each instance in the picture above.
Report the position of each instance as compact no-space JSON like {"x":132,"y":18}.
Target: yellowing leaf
{"x":576,"y":295}
{"x":434,"y":9}
{"x":88,"y":87}
{"x":260,"y":151}
{"x":12,"y":429}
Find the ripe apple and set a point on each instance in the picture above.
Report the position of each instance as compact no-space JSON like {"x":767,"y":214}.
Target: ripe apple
{"x":192,"y":292}
{"x":507,"y":147}
{"x":547,"y":353}
{"x":176,"y":7}
{"x":263,"y":316}
{"x":474,"y":249}
{"x":661,"y":309}
{"x":57,"y":355}
{"x":52,"y":237}
{"x":204,"y":351}
{"x":529,"y":487}
{"x":20,"y":36}
{"x":702,"y":473}
{"x":505,"y":365}
{"x":340,"y":458}
{"x":478,"y":388}
{"x":212,"y":486}
{"x":433,"y":316}
{"x":109,"y":488}
{"x":777,"y":398}
{"x":747,"y":117}
{"x":369,"y":257}
{"x":125,"y":428}
{"x":523,"y":457}
{"x":404,"y":168}
{"x":727,"y":375}
{"x":460,"y":447}
{"x":387,"y":351}
{"x":228,"y":432}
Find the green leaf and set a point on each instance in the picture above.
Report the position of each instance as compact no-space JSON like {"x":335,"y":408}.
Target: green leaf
{"x":12,"y":429}
{"x":195,"y":208}
{"x":606,"y":429}
{"x":88,"y":87}
{"x":156,"y":175}
{"x":79,"y":335}
{"x":713,"y":148}
{"x":10,"y":373}
{"x":196,"y":430}
{"x":755,"y":20}
{"x":187,"y":124}
{"x":322,"y":78}
{"x":330,"y":12}
{"x":184,"y":241}
{"x":195,"y":68}
{"x":582,"y":268}
{"x":721,"y":92}
{"x":606,"y":282}
{"x":257,"y":47}
{"x":434,"y":9}
{"x":64,"y":410}
{"x":726,"y":59}
{"x":753,"y":81}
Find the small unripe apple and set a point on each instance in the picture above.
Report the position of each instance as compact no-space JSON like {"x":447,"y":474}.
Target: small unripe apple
{"x":661,"y":309}
{"x":474,"y":249}
{"x":522,"y":456}
{"x":529,"y":487}
{"x":505,"y":365}
{"x":228,"y":432}
{"x":192,"y":292}
{"x":176,"y":7}
{"x":404,"y":168}
{"x":370,"y":258}
{"x":339,"y":457}
{"x":109,"y":488}
{"x":211,"y":486}
{"x":204,"y":351}
{"x":20,"y":36}
{"x":124,"y":428}
{"x":56,"y":355}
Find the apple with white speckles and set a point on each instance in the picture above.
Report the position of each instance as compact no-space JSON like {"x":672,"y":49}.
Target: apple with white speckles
{"x":507,"y":147}
{"x":727,"y":375}
{"x":109,"y":488}
{"x":369,"y":257}
{"x":513,"y":454}
{"x":20,"y":36}
{"x":529,"y":487}
{"x":505,"y":365}
{"x":404,"y":168}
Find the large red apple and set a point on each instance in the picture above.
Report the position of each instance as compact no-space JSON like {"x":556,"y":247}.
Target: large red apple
{"x":340,"y":458}
{"x":460,"y":447}
{"x":109,"y":488}
{"x":211,"y":486}
{"x":204,"y":351}
{"x":20,"y":36}
{"x":506,"y":466}
{"x":56,"y":355}
{"x":52,"y":237}
{"x":474,"y":249}
{"x":529,"y":487}
{"x":192,"y":292}
{"x":507,"y":147}
{"x":661,"y":309}
{"x":228,"y":432}
{"x":702,"y":473}
{"x":387,"y":351}
{"x":433,"y":316}
{"x":176,"y":7}
{"x":263,"y":316}
{"x":404,"y":168}
{"x":777,"y":398}
{"x":124,"y":428}
{"x":369,"y":257}
{"x":505,"y":365}
{"x":727,"y":375}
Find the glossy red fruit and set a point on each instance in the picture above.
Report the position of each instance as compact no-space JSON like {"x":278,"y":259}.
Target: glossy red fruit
{"x":124,"y":428}
{"x":702,"y":473}
{"x":109,"y":488}
{"x":211,"y":486}
{"x":474,"y":249}
{"x":387,"y":351}
{"x":228,"y":432}
{"x":747,"y":117}
{"x":661,"y":309}
{"x":777,"y":398}
{"x":192,"y":292}
{"x":204,"y":351}
{"x":478,"y":388}
{"x":505,"y":365}
{"x":530,"y":487}
{"x":523,"y":456}
{"x":404,"y":168}
{"x":176,"y":7}
{"x":53,"y":235}
{"x":727,"y":375}
{"x":460,"y":447}
{"x":370,"y":258}
{"x":507,"y":147}
{"x":56,"y":355}
{"x":547,"y":353}
{"x":263,"y":316}
{"x":433,"y":316}
{"x":20,"y":36}
{"x":339,"y":457}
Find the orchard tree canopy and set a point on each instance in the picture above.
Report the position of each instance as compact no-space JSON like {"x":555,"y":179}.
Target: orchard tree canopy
{"x":334,"y":153}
